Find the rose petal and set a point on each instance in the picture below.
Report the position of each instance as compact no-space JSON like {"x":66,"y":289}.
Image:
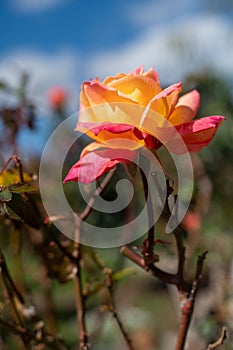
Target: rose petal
{"x":115,"y":128}
{"x":112,"y":135}
{"x":138,"y":71}
{"x":166,"y":100}
{"x":161,"y":105}
{"x":140,"y":88}
{"x":151,"y":73}
{"x":198,"y":133}
{"x":94,"y":164}
{"x":186,"y":108}
{"x":109,"y":79}
{"x":93,"y":146}
{"x":94,"y":93}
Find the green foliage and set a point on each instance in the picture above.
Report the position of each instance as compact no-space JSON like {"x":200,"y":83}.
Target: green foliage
{"x":19,"y":207}
{"x":5,"y":195}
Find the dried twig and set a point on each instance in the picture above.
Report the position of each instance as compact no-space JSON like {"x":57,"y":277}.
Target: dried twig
{"x":220,"y":340}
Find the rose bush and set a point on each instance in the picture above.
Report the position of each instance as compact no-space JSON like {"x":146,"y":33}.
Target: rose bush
{"x":129,"y":111}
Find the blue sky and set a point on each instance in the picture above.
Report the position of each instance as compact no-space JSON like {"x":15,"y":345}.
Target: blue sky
{"x":63,"y":42}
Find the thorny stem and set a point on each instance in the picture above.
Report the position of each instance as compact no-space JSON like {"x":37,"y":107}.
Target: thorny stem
{"x":187,"y":296}
{"x":80,"y":306}
{"x":149,"y":253}
{"x":164,"y":276}
{"x":187,"y":304}
{"x":83,"y":216}
{"x":96,"y":193}
{"x":113,"y":309}
{"x":187,"y":293}
{"x":77,"y":254}
{"x":76,"y":257}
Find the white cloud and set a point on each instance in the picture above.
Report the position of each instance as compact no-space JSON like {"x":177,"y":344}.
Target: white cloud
{"x":45,"y":71}
{"x":29,"y":6}
{"x":184,"y":46}
{"x":150,"y":11}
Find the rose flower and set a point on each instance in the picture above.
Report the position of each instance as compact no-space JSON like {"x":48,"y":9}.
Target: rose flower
{"x":129,"y":111}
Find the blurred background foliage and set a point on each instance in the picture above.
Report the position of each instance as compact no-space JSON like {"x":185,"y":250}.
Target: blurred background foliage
{"x":44,"y":276}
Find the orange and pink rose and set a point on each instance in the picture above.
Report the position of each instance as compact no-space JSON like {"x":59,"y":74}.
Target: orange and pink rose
{"x":129,"y":111}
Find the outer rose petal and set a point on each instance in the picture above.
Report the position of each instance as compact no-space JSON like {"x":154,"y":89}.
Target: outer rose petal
{"x":198,"y":133}
{"x":186,"y":108}
{"x":94,"y":164}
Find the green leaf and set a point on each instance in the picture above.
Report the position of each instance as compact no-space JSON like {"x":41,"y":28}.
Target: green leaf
{"x":11,"y":213}
{"x":22,"y":188}
{"x":11,"y":176}
{"x":5,"y":195}
{"x":20,"y":208}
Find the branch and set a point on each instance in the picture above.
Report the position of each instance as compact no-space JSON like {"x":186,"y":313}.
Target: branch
{"x":32,"y":336}
{"x":187,"y":293}
{"x":112,"y":305}
{"x":77,"y":255}
{"x":187,"y":304}
{"x":12,"y":294}
{"x":8,"y":279}
{"x":220,"y":341}
{"x":13,"y":327}
{"x":20,"y":326}
{"x":95,"y":194}
{"x":149,"y":253}
{"x":164,"y":276}
{"x":80,"y":306}
{"x":112,"y":308}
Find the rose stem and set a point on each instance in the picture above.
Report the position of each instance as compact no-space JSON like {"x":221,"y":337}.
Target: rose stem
{"x":77,"y":254}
